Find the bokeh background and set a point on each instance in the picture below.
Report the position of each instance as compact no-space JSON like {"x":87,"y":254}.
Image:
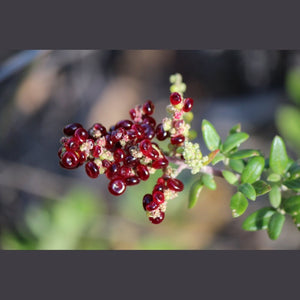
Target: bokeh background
{"x":43,"y":206}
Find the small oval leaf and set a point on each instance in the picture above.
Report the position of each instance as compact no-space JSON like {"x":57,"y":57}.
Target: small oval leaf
{"x":261,"y":187}
{"x":293,"y":184}
{"x":244,"y":154}
{"x":195,"y":191}
{"x":248,"y":190}
{"x":275,"y":225}
{"x":234,"y":140}
{"x":237,"y":165}
{"x":292,"y":205}
{"x":274,"y":177}
{"x":253,"y":169}
{"x":259,"y":219}
{"x":238,"y":204}
{"x":209,"y":181}
{"x":219,"y":157}
{"x":230,"y":177}
{"x":275,"y":196}
{"x":210,"y":136}
{"x":278,"y":157}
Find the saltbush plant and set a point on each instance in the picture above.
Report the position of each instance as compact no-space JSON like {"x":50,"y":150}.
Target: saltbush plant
{"x":129,"y":152}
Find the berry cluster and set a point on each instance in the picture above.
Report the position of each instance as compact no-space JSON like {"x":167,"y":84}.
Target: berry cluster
{"x":126,"y":153}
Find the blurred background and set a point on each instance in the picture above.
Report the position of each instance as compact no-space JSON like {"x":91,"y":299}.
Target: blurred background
{"x":43,"y":206}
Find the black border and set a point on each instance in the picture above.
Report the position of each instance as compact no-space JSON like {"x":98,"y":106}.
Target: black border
{"x":138,"y":25}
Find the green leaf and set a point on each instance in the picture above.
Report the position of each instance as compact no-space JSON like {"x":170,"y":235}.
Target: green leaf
{"x":296,"y":220}
{"x":238,"y":204}
{"x":274,"y":177}
{"x":234,"y":140}
{"x":230,"y":177}
{"x":236,"y":128}
{"x":237,"y":165}
{"x":278,"y":157}
{"x":275,"y":225}
{"x":293,"y":184}
{"x":219,"y":157}
{"x":261,"y":187}
{"x":195,"y":191}
{"x":210,"y":136}
{"x":259,"y":219}
{"x":209,"y":181}
{"x":248,"y":190}
{"x":292,"y":205}
{"x":275,"y":196}
{"x":253,"y":169}
{"x":244,"y":154}
{"x":294,"y":171}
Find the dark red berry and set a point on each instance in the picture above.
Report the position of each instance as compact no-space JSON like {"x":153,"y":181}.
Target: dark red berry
{"x":132,"y":113}
{"x":139,"y":131}
{"x":69,"y":160}
{"x":175,"y":185}
{"x":112,"y":171}
{"x":82,"y":157}
{"x":109,"y":143}
{"x":158,"y":219}
{"x":119,"y":155}
{"x":131,"y":134}
{"x":178,"y":139}
{"x":161,"y":180}
{"x":117,"y":134}
{"x":187,"y":104}
{"x":71,"y":128}
{"x":131,"y":161}
{"x":159,"y":197}
{"x":146,"y":200}
{"x":126,"y":124}
{"x":175,"y":98}
{"x":72,"y":144}
{"x":161,"y":134}
{"x":145,"y":147}
{"x":117,"y":187}
{"x":81,"y":134}
{"x":159,"y":188}
{"x":106,"y":163}
{"x":97,"y":151}
{"x":97,"y":130}
{"x":133,"y":180}
{"x":142,"y":172}
{"x":92,"y":169}
{"x":148,"y":108}
{"x":149,"y":120}
{"x":160,"y":163}
{"x":149,"y":132}
{"x":125,"y":172}
{"x":153,"y":205}
{"x":153,"y":154}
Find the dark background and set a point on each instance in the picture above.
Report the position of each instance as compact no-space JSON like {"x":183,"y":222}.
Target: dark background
{"x":45,"y":207}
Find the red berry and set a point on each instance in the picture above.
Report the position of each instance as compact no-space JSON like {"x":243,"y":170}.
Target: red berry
{"x":119,"y":155}
{"x":131,"y":161}
{"x":142,"y":172}
{"x":161,"y":180}
{"x":158,"y":219}
{"x":159,"y":197}
{"x":69,"y":160}
{"x":153,"y":205}
{"x":92,"y":169}
{"x":72,"y":144}
{"x":160,"y":163}
{"x":117,"y":134}
{"x":126,"y":124}
{"x":139,"y":131}
{"x":159,"y":188}
{"x":176,"y":140}
{"x":132,"y":113}
{"x":149,"y":132}
{"x":82,"y":157}
{"x":175,"y":185}
{"x":97,"y":151}
{"x":81,"y":134}
{"x":175,"y":98}
{"x":125,"y":172}
{"x":148,"y":108}
{"x":117,"y":187}
{"x":149,"y":120}
{"x":145,"y":147}
{"x":133,"y":180}
{"x":146,"y":200}
{"x":160,"y":133}
{"x":131,"y":134}
{"x":153,"y":154}
{"x":112,"y":171}
{"x":71,"y":128}
{"x":106,"y":163}
{"x":187,"y":104}
{"x":109,"y":143}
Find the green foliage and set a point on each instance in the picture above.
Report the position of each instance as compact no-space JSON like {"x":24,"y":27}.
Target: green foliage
{"x":292,"y":205}
{"x":278,"y":156}
{"x":210,"y":136}
{"x":248,"y":190}
{"x":275,"y":196}
{"x":244,"y":154}
{"x":253,"y":169}
{"x":209,"y":182}
{"x":195,"y":193}
{"x":261,"y":187}
{"x":234,"y":140}
{"x":259,"y":219}
{"x":230,"y":177}
{"x":238,"y":204}
{"x":275,"y":225}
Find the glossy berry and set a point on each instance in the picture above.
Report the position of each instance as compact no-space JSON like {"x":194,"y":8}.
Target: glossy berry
{"x":133,"y":180}
{"x":145,"y":147}
{"x":153,"y":154}
{"x":175,"y":98}
{"x":97,"y":150}
{"x":92,"y":169}
{"x":119,"y":155}
{"x":72,"y":144}
{"x":69,"y":160}
{"x":161,"y":180}
{"x":117,"y":187}
{"x":175,"y":185}
{"x":178,"y":139}
{"x":153,"y":205}
{"x":125,"y":172}
{"x":159,"y":188}
{"x":160,"y":163}
{"x":146,"y":200}
{"x":149,"y":120}
{"x":187,"y":104}
{"x":148,"y":108}
{"x":161,"y":135}
{"x":126,"y":124}
{"x":112,"y":171}
{"x":142,"y":172}
{"x":82,"y":157}
{"x":149,"y":132}
{"x":132,"y":113}
{"x":158,"y":219}
{"x":117,"y":134}
{"x":159,"y":197}
{"x":109,"y":143}
{"x":81,"y":134}
{"x":71,"y":128}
